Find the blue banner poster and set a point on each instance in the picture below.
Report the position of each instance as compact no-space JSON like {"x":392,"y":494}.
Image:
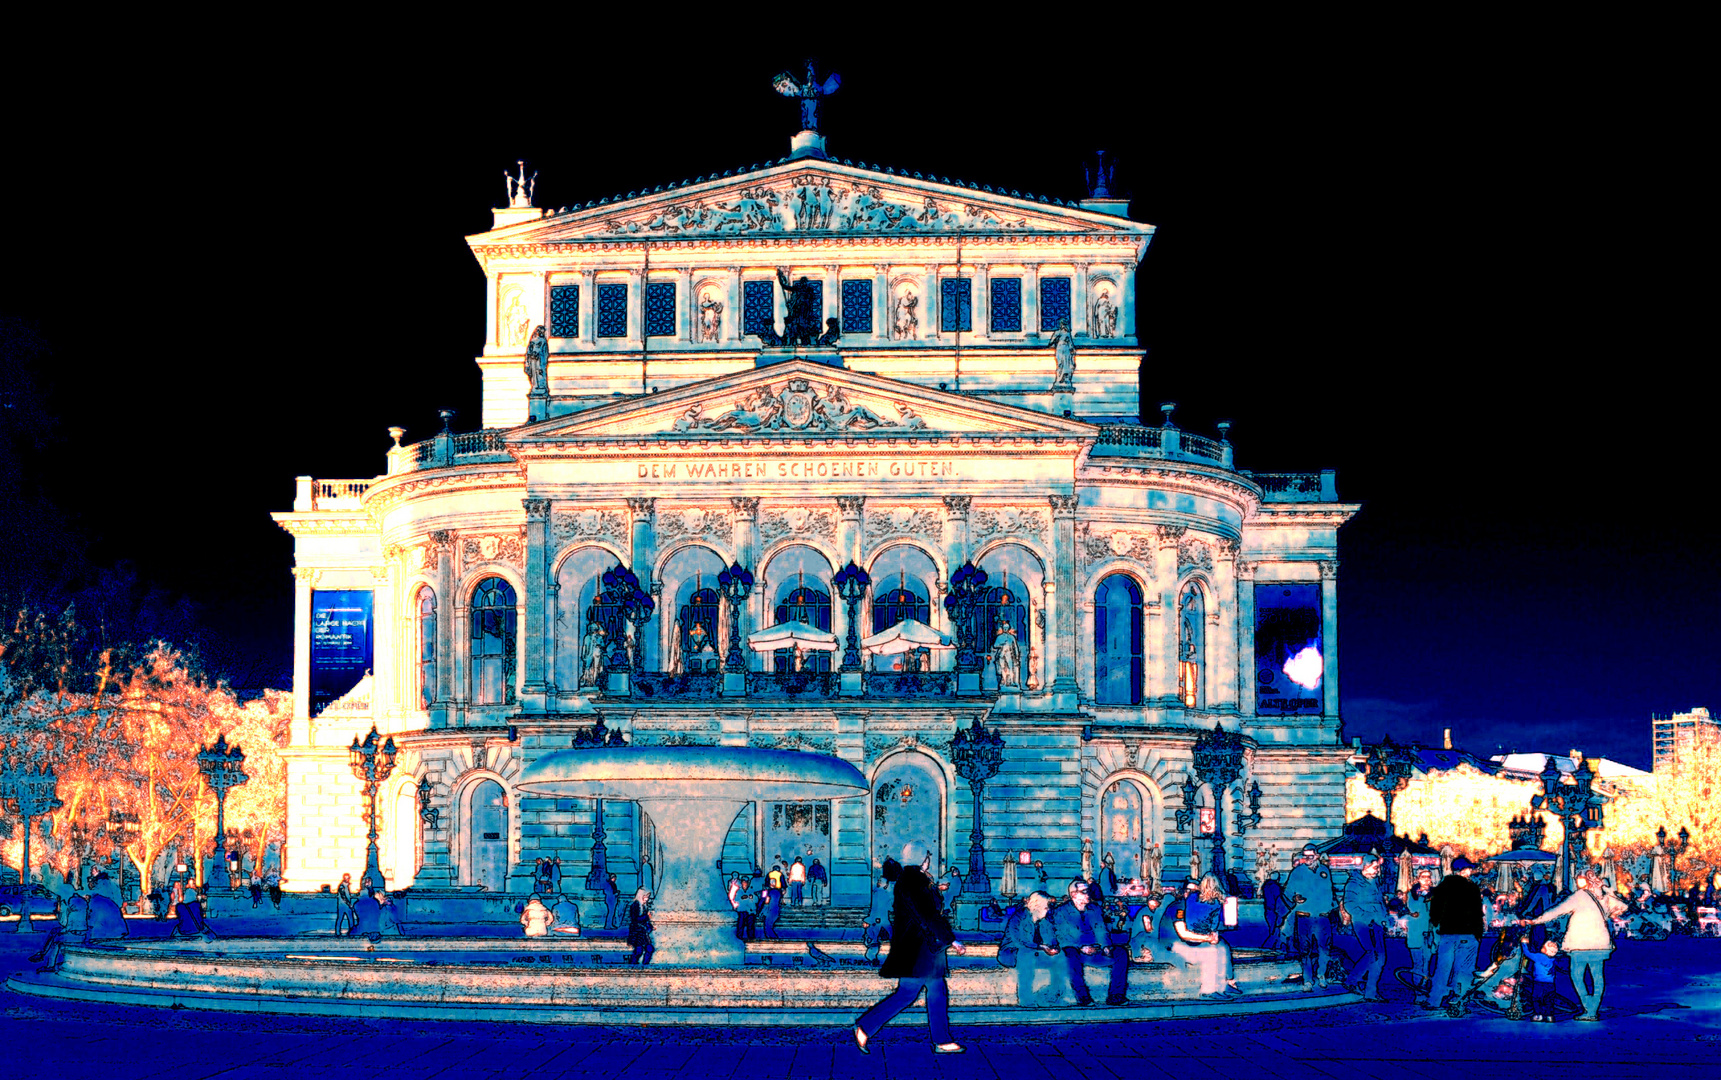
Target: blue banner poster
{"x":1290,"y":666}
{"x":340,"y":643}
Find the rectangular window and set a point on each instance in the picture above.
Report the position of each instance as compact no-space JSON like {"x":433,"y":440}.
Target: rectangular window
{"x":1054,"y":303}
{"x":612,"y":311}
{"x":758,"y":307}
{"x":956,"y":309}
{"x":564,"y":310}
{"x":1006,"y":313}
{"x":660,"y":309}
{"x":1289,"y":661}
{"x":857,"y":306}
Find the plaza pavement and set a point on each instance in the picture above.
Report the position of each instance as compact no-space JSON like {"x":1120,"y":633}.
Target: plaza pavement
{"x":1660,"y":1015}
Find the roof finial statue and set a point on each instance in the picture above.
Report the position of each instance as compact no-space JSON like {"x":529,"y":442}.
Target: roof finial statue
{"x":1099,"y":178}
{"x":809,"y":90}
{"x":520,"y":188}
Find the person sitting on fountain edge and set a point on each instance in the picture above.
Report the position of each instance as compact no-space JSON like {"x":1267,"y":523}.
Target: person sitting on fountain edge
{"x":1030,"y":946}
{"x":1081,"y":932}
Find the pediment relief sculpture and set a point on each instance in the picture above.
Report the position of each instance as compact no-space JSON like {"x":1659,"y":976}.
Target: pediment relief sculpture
{"x":800,"y":405}
{"x":812,"y":203}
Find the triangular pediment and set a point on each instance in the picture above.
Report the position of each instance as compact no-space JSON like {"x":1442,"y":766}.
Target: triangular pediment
{"x":808,"y":198}
{"x":800,"y":398}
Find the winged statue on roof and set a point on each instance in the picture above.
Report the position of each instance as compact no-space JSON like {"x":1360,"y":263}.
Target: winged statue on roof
{"x":809,"y":90}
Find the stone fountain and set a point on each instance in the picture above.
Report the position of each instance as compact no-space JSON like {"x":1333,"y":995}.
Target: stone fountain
{"x":693,"y":794}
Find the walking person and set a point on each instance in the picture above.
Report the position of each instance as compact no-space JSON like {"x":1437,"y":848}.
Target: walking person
{"x":919,"y":936}
{"x":1363,"y":909}
{"x":607,"y":885}
{"x":797,"y":881}
{"x":1589,"y":937}
{"x":639,"y":928}
{"x":817,"y":879}
{"x":772,"y":910}
{"x":344,"y":917}
{"x":1418,"y":934}
{"x":1455,"y":912}
{"x":1308,"y":921}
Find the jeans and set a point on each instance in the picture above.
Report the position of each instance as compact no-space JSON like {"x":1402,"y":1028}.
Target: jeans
{"x":1029,"y":963}
{"x":795,"y":888}
{"x":642,"y":953}
{"x":1373,"y":940}
{"x":1589,"y":960}
{"x":1114,"y":956}
{"x":1421,"y":966}
{"x":1454,"y":967}
{"x":1314,"y":940}
{"x":907,"y":990}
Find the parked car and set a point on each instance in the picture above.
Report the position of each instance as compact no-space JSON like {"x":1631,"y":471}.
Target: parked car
{"x":41,"y":901}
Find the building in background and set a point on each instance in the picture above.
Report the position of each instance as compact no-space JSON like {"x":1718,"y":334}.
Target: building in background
{"x":1678,"y":733}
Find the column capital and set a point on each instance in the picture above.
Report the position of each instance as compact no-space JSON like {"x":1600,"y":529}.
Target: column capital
{"x":1169,"y":535}
{"x":851,"y":505}
{"x":1227,"y":549}
{"x":1246,"y":570}
{"x":307,"y":575}
{"x":536,"y":509}
{"x":745,"y":505}
{"x":642,"y":507}
{"x":1329,"y":569}
{"x":957,"y":505}
{"x":1063,"y":506}
{"x":443,"y":538}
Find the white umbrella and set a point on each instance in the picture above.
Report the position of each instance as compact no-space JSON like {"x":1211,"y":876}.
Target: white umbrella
{"x":792,"y":635}
{"x":907,"y":636}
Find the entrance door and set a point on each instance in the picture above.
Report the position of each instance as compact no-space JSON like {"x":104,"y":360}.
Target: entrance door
{"x":1121,"y":828}
{"x":907,"y":804}
{"x":792,"y":829}
{"x":489,"y":840}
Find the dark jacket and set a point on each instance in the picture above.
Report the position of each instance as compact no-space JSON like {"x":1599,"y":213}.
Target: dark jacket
{"x":1455,"y":907}
{"x":1019,"y":931}
{"x":919,"y":932}
{"x":638,"y":925}
{"x":1364,"y":902}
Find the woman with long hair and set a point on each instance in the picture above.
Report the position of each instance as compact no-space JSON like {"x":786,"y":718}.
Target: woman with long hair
{"x":639,"y":928}
{"x":1199,"y":943}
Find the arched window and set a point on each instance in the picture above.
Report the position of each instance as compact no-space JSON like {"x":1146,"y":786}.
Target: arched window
{"x":1191,"y":645}
{"x":493,"y":643}
{"x":426,"y":647}
{"x":1117,"y":641}
{"x":999,"y":608}
{"x":697,"y":626}
{"x":805,"y":604}
{"x":899,"y":603}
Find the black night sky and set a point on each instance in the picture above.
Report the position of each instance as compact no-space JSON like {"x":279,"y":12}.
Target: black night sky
{"x":1454,"y":272}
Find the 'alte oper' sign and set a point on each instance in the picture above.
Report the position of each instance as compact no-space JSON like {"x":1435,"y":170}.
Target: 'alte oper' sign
{"x":696,"y":471}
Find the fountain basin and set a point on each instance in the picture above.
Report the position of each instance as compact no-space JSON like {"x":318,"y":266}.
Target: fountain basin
{"x":693,"y":794}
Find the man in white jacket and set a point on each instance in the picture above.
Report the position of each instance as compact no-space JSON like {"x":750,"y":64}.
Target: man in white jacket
{"x":1589,"y":936}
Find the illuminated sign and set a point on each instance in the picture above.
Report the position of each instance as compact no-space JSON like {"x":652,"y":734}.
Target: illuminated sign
{"x":340,"y":643}
{"x":1207,"y":821}
{"x":1290,"y":665}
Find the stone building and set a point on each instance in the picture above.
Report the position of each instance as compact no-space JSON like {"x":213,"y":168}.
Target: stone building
{"x":663,"y":408}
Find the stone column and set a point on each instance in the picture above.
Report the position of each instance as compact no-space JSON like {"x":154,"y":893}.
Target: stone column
{"x":643,"y":553}
{"x":532,"y":641}
{"x":1222,"y":673}
{"x":1330,"y":638}
{"x":746,"y":540}
{"x":732,"y":309}
{"x":849,"y":540}
{"x":303,"y":579}
{"x":1246,"y":638}
{"x":1164,"y":665}
{"x":440,"y":558}
{"x":635,"y":307}
{"x":955,"y":554}
{"x":849,"y":549}
{"x":1031,"y":300}
{"x":982,"y":304}
{"x":1079,"y":301}
{"x":686,"y":308}
{"x":552,"y":597}
{"x":881,"y":313}
{"x":833,"y":297}
{"x":589,"y":306}
{"x":1062,"y":602}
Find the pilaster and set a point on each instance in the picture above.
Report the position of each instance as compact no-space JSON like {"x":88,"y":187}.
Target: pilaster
{"x":746,"y":539}
{"x":1031,"y":300}
{"x":643,"y":553}
{"x":589,"y":307}
{"x":732,"y":312}
{"x":1245,"y":637}
{"x":301,"y":730}
{"x":385,"y":697}
{"x":881,"y":313}
{"x":532,"y":641}
{"x":1330,"y":638}
{"x":833,"y":297}
{"x":1063,"y":601}
{"x":982,"y":303}
{"x":1079,"y":302}
{"x":441,"y":556}
{"x":1126,"y":302}
{"x":686,"y":312}
{"x":1222,"y":671}
{"x":1163,"y":683}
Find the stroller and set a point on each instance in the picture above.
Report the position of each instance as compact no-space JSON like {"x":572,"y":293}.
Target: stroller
{"x":1499,"y":986}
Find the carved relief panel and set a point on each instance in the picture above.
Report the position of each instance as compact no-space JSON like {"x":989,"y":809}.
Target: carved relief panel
{"x":587,"y":524}
{"x":797,"y":520}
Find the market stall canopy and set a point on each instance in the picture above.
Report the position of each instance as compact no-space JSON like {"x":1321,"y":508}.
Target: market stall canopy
{"x":792,"y":635}
{"x":1367,"y":836}
{"x":907,"y":636}
{"x":1524,"y":855}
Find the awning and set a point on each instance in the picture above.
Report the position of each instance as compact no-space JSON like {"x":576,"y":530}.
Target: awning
{"x":907,"y":636}
{"x":791,"y":635}
{"x":1524,"y":855}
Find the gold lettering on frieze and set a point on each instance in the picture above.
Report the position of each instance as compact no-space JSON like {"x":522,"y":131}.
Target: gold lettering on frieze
{"x":694,"y":471}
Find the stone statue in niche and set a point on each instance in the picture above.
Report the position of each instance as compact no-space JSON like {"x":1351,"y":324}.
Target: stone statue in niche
{"x":1064,"y":353}
{"x":538,"y":361}
{"x":516,"y":320}
{"x":1151,"y":862}
{"x":906,"y":323}
{"x":1104,"y":322}
{"x":592,"y":655}
{"x":1006,"y":657}
{"x":800,"y":304}
{"x":710,"y":318}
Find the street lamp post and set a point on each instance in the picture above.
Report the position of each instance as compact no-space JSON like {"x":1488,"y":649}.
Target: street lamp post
{"x":36,"y":793}
{"x":223,"y":769}
{"x":622,"y":586}
{"x":372,"y":763}
{"x":124,"y":829}
{"x":1578,"y":805}
{"x":1672,"y":865}
{"x":736,"y":584}
{"x":966,"y":586}
{"x":977,"y":754}
{"x":1218,"y":763}
{"x":1387,"y":770}
{"x":851,"y":582}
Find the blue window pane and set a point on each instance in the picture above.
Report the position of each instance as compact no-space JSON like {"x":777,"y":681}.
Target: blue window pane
{"x":857,"y":307}
{"x":1054,"y":302}
{"x":660,"y":309}
{"x":612,"y":311}
{"x":1006,"y":313}
{"x":956,"y":312}
{"x":564,"y":310}
{"x":758,"y":310}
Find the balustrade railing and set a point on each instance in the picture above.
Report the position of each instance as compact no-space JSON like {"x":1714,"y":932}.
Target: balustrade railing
{"x":674,"y":686}
{"x":1197,"y":446}
{"x":488,"y":441}
{"x":792,"y":684}
{"x":1128,"y":435}
{"x":907,"y":684}
{"x":1290,"y":487}
{"x":340,"y":494}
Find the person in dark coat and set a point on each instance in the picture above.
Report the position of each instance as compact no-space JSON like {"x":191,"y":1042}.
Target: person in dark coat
{"x":919,"y":936}
{"x":1080,"y":927}
{"x":1364,"y":911}
{"x":374,"y":916}
{"x":876,"y":926}
{"x":639,"y":928}
{"x":1030,"y":946}
{"x":188,"y":914}
{"x":1455,"y":913}
{"x":772,"y":910}
{"x":610,"y":898}
{"x":1273,"y":906}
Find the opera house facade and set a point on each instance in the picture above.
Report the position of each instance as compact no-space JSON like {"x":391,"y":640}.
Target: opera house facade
{"x":826,"y":456}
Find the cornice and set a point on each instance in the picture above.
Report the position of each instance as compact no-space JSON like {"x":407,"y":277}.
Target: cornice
{"x":324,"y":522}
{"x":1333,"y":514}
{"x":386,"y":493}
{"x":505,"y":252}
{"x":1190,"y":477}
{"x":679,"y":444}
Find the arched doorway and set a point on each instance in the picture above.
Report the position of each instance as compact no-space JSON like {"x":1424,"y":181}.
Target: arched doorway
{"x":406,"y":823}
{"x":1125,"y":826}
{"x":487,"y":839}
{"x":907,"y":804}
